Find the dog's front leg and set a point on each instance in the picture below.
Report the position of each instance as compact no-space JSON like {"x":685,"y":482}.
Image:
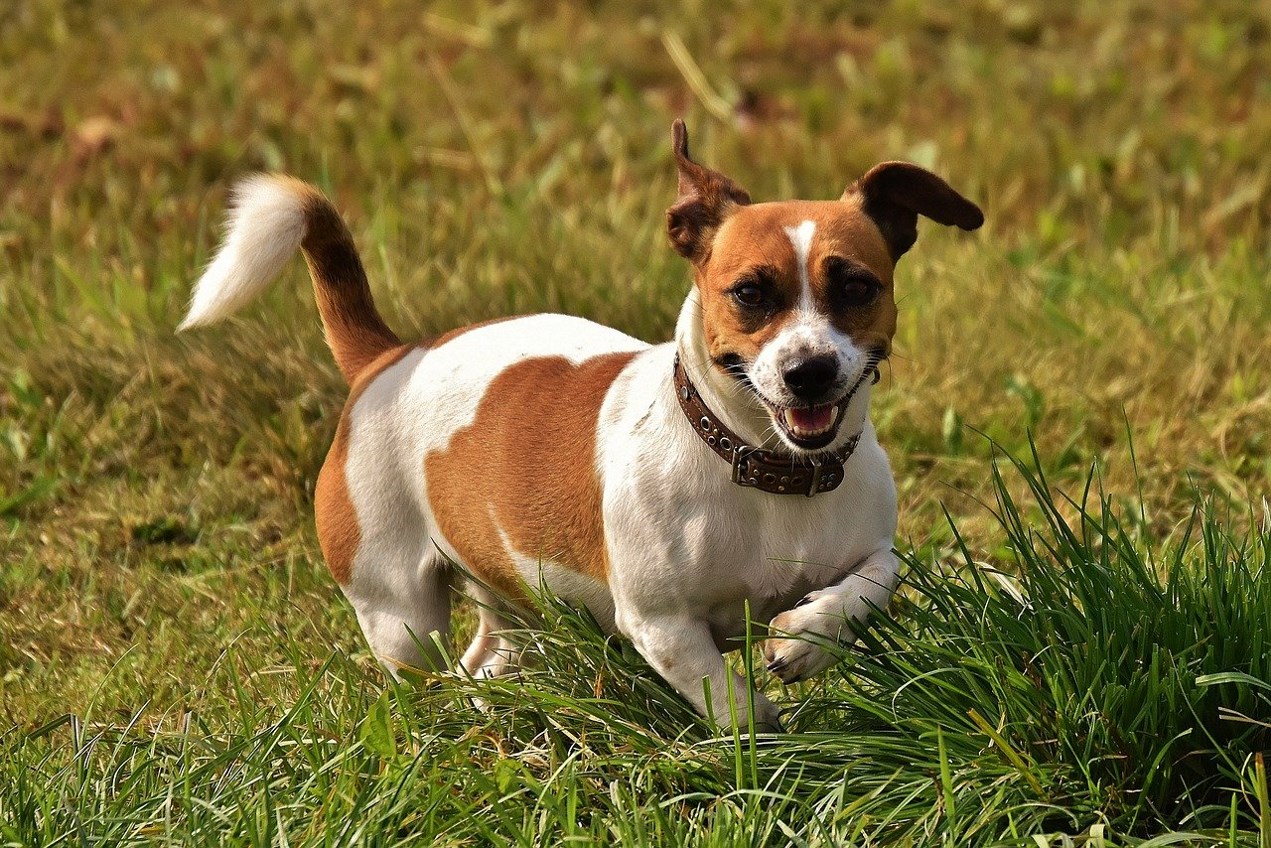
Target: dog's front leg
{"x":827,"y":617}
{"x":681,"y":649}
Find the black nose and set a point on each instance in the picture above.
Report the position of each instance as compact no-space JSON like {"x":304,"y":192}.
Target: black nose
{"x":812,"y":377}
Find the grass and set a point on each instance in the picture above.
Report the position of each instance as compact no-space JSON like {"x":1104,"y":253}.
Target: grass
{"x":175,"y":665}
{"x":988,"y":708}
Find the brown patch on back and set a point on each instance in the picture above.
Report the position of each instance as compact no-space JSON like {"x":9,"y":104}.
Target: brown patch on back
{"x":339,"y":534}
{"x":526,"y":466}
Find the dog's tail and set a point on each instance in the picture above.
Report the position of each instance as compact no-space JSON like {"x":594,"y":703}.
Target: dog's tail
{"x":272,"y":216}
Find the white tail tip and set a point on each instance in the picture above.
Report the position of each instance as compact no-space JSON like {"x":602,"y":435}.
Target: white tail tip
{"x":264,"y":229}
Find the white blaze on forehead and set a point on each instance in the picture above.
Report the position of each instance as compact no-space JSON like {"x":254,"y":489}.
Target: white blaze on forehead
{"x":801,"y":238}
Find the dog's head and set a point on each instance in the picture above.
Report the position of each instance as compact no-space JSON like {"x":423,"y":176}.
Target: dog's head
{"x":796,"y":297}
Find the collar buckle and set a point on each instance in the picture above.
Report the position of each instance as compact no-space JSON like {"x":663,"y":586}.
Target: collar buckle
{"x":740,"y":454}
{"x":814,"y":477}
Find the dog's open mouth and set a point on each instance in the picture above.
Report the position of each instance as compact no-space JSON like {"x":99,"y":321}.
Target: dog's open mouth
{"x":811,"y":426}
{"x":814,"y":427}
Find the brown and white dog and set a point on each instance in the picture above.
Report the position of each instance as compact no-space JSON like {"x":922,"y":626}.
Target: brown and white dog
{"x":664,"y":487}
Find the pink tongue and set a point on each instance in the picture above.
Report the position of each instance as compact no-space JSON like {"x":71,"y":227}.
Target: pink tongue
{"x":816,"y":418}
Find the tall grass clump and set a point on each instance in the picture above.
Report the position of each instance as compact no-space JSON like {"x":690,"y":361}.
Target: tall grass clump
{"x":1089,"y":674}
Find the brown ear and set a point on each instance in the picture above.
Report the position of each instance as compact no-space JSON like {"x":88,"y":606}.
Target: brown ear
{"x":706,"y":198}
{"x":894,"y":194}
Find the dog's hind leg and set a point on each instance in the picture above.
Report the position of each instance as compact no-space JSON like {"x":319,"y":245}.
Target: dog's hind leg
{"x":490,"y":654}
{"x":376,"y":543}
{"x":403,"y":607}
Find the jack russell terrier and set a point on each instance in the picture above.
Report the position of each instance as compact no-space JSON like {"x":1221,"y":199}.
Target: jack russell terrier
{"x":663,"y":487}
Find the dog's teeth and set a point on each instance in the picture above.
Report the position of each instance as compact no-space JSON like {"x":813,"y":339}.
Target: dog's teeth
{"x":791,"y":419}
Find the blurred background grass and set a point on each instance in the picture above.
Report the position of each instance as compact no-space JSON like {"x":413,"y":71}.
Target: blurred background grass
{"x":504,"y":157}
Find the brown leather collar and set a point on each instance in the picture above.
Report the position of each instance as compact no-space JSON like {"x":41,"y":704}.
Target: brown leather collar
{"x":765,"y":470}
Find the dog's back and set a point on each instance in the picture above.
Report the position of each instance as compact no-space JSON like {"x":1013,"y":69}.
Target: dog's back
{"x":477,"y":447}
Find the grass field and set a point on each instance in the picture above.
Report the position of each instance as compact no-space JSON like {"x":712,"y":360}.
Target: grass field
{"x":1081,"y":653}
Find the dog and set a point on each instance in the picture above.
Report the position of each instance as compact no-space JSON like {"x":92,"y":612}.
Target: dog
{"x":667,"y":488}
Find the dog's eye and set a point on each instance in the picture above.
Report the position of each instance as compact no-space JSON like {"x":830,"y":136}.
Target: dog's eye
{"x":749,"y":294}
{"x":849,"y":285}
{"x":859,"y":292}
{"x":756,"y":292}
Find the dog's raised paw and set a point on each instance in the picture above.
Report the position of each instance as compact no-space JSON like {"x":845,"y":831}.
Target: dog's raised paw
{"x":792,"y":660}
{"x":796,"y":655}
